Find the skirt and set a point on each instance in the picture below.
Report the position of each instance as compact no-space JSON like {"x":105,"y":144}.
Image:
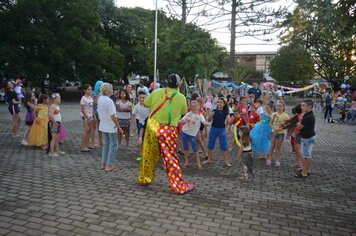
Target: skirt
{"x":261,"y":138}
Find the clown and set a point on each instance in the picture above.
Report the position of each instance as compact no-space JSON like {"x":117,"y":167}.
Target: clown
{"x":167,"y":105}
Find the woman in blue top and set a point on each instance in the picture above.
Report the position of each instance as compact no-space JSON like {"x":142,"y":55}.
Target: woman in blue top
{"x":219,"y":116}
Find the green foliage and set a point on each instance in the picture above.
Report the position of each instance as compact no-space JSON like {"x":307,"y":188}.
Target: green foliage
{"x":327,"y":30}
{"x":61,"y":38}
{"x":90,"y":39}
{"x":292,"y":63}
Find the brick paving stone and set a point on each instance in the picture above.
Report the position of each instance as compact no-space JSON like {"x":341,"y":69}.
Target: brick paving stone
{"x":70,"y":195}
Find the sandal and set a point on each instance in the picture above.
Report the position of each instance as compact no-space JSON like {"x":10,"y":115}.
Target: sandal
{"x":300,"y":176}
{"x":300,"y":171}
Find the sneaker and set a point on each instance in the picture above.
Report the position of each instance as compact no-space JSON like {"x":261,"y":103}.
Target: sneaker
{"x":277,"y":163}
{"x":61,"y":153}
{"x":84,"y":149}
{"x":53,"y":155}
{"x":268,"y":162}
{"x":139,"y":158}
{"x":24,"y":142}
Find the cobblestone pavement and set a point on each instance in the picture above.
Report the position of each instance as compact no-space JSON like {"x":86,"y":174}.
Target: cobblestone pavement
{"x":70,"y":195}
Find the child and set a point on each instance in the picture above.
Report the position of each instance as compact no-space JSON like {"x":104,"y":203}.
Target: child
{"x":277,"y":120}
{"x":295,"y":134}
{"x":246,"y":153}
{"x":38,"y":135}
{"x":87,"y":114}
{"x":253,"y":118}
{"x":242,"y":107}
{"x":208,"y":102}
{"x":55,"y":119}
{"x":219,"y":116}
{"x":261,"y":133}
{"x":238,"y":121}
{"x":192,"y":121}
{"x":250,"y":101}
{"x":139,"y":115}
{"x":124,"y":108}
{"x":259,"y":108}
{"x":308,"y":136}
{"x":30,"y":103}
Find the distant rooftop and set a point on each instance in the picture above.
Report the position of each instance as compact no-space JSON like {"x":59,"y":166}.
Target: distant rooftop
{"x":258,"y":53}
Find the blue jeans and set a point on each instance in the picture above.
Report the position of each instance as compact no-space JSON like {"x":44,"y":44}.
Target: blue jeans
{"x":307,"y":146}
{"x":109,"y":148}
{"x":218,"y":133}
{"x":193,"y":142}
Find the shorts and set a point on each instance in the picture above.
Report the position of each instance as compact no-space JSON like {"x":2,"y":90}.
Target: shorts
{"x":279,"y":136}
{"x":90,"y":118}
{"x":124,"y":123}
{"x":56,"y":130}
{"x":307,"y":146}
{"x":193,"y":142}
{"x":201,"y":127}
{"x":218,"y":133}
{"x":14,"y":109}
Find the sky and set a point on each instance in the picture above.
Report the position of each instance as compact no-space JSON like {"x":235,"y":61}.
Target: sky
{"x":218,"y":31}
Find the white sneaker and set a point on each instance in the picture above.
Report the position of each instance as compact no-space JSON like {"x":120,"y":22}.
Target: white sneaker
{"x":268,"y":162}
{"x":53,"y":155}
{"x":24,"y":142}
{"x":277,"y":163}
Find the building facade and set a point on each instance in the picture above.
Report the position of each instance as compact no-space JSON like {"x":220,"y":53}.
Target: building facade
{"x":256,"y":60}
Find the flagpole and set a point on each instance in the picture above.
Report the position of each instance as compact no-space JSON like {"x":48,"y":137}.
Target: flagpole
{"x":155,"y":50}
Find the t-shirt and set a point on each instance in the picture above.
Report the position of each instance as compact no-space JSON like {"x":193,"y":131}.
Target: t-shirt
{"x":141,"y":113}
{"x":260,"y":111}
{"x":278,"y":119}
{"x":106,"y":108}
{"x":179,"y":105}
{"x":253,"y":119}
{"x":18,"y":91}
{"x":219,"y":118}
{"x":87,"y":102}
{"x":123,"y":105}
{"x":142,"y":89}
{"x":241,"y":121}
{"x":192,"y":123}
{"x":255,"y":91}
{"x":308,"y":123}
{"x":11,"y":95}
{"x":56,"y":113}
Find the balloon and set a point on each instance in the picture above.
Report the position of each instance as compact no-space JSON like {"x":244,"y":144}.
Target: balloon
{"x":235,"y":134}
{"x":348,"y":92}
{"x":348,"y":85}
{"x":343,"y":86}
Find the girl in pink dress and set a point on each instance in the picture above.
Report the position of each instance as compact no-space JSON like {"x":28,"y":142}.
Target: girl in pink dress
{"x":208,"y":101}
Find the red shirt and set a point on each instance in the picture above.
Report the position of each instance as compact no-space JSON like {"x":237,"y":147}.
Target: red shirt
{"x":253,"y":119}
{"x":241,"y":120}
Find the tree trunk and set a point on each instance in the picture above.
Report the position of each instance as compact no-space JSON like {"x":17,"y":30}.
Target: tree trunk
{"x":184,"y":13}
{"x":233,"y":34}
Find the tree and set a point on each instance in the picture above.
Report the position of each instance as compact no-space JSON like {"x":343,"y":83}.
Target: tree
{"x":327,"y":31}
{"x":292,"y":63}
{"x":247,"y":18}
{"x":61,"y":38}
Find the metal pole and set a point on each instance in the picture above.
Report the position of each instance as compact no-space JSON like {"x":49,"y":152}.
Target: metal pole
{"x":155,"y":53}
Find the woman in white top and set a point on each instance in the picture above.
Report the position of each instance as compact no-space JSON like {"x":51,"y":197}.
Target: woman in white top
{"x":124,"y":108}
{"x":55,"y":120}
{"x":109,"y":126}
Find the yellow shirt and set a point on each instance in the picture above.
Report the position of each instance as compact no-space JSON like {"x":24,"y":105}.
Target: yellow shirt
{"x":277,"y":120}
{"x":179,"y":105}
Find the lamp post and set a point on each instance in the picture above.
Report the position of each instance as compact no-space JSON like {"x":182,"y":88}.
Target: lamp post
{"x":155,"y":50}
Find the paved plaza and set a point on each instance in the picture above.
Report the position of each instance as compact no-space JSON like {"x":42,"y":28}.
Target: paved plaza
{"x":71,"y":195}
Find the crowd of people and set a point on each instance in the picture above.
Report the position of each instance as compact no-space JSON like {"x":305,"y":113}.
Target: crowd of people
{"x":171,"y":126}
